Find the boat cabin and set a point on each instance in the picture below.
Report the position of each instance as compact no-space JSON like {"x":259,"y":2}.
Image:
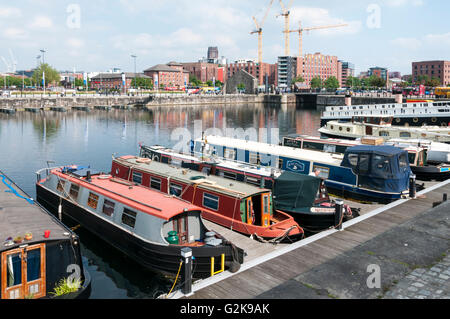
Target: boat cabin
{"x":243,"y":207}
{"x":374,"y":120}
{"x":37,"y":251}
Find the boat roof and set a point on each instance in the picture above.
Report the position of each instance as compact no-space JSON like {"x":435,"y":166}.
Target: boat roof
{"x":211,"y":182}
{"x":138,"y":197}
{"x":18,"y":217}
{"x":221,"y":163}
{"x":381,"y":149}
{"x":275,"y":150}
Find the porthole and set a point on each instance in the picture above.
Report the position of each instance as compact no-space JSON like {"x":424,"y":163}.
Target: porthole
{"x":340,"y":128}
{"x":397,"y":120}
{"x":415,"y":120}
{"x":433,"y":119}
{"x":443,"y":124}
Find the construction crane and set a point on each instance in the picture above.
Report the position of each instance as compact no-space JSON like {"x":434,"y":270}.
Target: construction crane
{"x":258,"y":30}
{"x":301,"y":30}
{"x":285,"y":13}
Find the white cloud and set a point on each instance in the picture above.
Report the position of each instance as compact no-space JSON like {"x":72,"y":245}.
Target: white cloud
{"x":407,"y":43}
{"x":402,"y":3}
{"x":14,"y":33}
{"x":10,"y":12}
{"x":75,"y":43}
{"x":438,"y":39}
{"x":41,"y":22}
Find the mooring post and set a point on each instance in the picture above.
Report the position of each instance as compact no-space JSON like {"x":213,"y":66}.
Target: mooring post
{"x":186,"y":253}
{"x":412,"y":186}
{"x":339,"y":207}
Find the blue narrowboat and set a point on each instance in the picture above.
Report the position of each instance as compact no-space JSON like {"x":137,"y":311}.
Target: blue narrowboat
{"x":365,"y":172}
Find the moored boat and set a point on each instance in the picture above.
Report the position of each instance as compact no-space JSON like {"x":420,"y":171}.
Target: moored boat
{"x":377,"y":173}
{"x":40,"y":257}
{"x":418,"y":155}
{"x":381,"y":126}
{"x":310,"y":205}
{"x":145,"y":225}
{"x":241,"y":207}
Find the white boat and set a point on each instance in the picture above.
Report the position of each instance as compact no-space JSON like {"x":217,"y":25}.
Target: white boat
{"x":414,"y":114}
{"x":437,"y":152}
{"x":381,"y":126}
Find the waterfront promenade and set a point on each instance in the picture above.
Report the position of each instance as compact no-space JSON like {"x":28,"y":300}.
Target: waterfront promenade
{"x":405,"y":240}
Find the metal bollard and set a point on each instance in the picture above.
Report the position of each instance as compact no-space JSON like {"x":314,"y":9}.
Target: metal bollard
{"x":412,"y":186}
{"x":339,"y":207}
{"x":186,"y":253}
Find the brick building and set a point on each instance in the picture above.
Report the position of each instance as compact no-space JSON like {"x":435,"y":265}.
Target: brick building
{"x":319,"y":65}
{"x":114,"y":80}
{"x":205,"y":71}
{"x":171,"y":74}
{"x":434,"y":69}
{"x":256,"y":70}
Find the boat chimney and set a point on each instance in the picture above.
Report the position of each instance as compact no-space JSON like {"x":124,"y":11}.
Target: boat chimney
{"x":88,"y":176}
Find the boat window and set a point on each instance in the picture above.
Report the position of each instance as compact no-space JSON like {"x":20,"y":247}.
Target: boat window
{"x":155,"y":183}
{"x":14,"y":272}
{"x":381,"y":163}
{"x":33,"y":265}
{"x":211,"y":201}
{"x":128,"y":217}
{"x":403,"y":161}
{"x":384,"y":133}
{"x":253,"y":158}
{"x":353,"y":159}
{"x":61,"y":184}
{"x":175,"y":189}
{"x":405,"y":134}
{"x":92,"y":200}
{"x":230,"y":175}
{"x":280,"y":163}
{"x":253,"y":180}
{"x":324,"y":172}
{"x":313,"y":146}
{"x":364,"y":160}
{"x":108,"y":208}
{"x":229,"y":154}
{"x":74,"y":190}
{"x":329,"y":148}
{"x":137,"y":177}
{"x":412,"y":158}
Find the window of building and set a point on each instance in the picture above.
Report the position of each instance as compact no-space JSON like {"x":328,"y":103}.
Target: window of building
{"x":108,"y":208}
{"x":128,"y":217}
{"x":211,"y":201}
{"x":93,"y":200}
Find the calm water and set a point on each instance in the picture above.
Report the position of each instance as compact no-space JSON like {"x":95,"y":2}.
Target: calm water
{"x":29,"y":140}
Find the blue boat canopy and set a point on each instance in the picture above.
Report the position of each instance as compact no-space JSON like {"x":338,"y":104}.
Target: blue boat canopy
{"x":383,"y":168}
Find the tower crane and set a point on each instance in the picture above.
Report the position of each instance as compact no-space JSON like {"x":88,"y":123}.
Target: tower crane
{"x":285,"y":13}
{"x":301,"y":30}
{"x":258,"y":30}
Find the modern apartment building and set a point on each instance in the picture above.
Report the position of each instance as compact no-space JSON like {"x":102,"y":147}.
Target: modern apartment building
{"x":258,"y":71}
{"x":322,"y":66}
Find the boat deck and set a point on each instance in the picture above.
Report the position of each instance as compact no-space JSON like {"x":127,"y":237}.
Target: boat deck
{"x":19,"y":216}
{"x":268,"y":267}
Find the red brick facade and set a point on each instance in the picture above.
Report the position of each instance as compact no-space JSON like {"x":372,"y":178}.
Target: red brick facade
{"x":434,"y":69}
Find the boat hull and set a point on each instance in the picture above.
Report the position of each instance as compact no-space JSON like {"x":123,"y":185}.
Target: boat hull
{"x":430,"y":173}
{"x":402,"y":121}
{"x":164,"y":259}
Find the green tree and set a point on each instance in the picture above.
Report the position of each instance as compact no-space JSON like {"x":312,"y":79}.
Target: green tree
{"x":298,"y":79}
{"x":353,"y":82}
{"x":194,"y":81}
{"x":316,"y":82}
{"x":433,"y":82}
{"x":332,"y":83}
{"x":422,"y":79}
{"x":376,"y":81}
{"x":51,"y":75}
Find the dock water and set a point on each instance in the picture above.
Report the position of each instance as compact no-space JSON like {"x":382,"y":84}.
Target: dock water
{"x":333,"y":264}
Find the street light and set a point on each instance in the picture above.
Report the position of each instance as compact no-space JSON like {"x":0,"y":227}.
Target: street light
{"x":134,"y":57}
{"x":43,"y":72}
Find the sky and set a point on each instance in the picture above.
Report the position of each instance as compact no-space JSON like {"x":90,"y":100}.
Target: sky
{"x":97,"y":35}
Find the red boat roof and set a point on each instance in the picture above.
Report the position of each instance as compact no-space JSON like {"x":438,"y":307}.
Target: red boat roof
{"x":138,"y":197}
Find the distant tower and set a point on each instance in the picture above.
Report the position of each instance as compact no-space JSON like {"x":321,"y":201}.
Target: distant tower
{"x":213,"y":53}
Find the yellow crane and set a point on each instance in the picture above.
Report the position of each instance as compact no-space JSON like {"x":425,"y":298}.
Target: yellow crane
{"x":285,"y":13}
{"x":258,"y":30}
{"x":301,"y":30}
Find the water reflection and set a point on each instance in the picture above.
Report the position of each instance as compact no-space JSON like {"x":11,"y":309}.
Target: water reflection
{"x":29,"y":140}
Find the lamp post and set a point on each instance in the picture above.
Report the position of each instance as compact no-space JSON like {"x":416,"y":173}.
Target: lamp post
{"x":134,"y":57}
{"x":43,"y":72}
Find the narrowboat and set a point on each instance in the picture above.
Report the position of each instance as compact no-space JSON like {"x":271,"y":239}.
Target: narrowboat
{"x":381,"y":126}
{"x":417,"y":155}
{"x":373,"y":173}
{"x":311,"y":207}
{"x":436,"y":152}
{"x":412,"y":113}
{"x":40,"y":256}
{"x":241,"y":207}
{"x":147,"y":226}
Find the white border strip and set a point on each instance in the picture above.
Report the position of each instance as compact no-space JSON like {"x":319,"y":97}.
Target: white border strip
{"x":213,"y":280}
